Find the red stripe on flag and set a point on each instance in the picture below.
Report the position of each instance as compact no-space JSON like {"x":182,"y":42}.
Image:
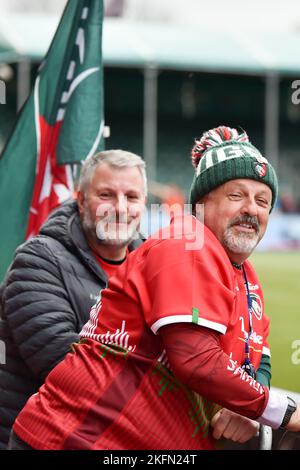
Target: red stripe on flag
{"x":52,"y":185}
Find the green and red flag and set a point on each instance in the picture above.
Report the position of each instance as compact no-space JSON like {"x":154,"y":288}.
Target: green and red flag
{"x":60,"y":125}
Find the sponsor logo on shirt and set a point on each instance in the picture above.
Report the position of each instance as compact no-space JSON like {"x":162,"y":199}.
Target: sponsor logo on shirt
{"x":237,"y":370}
{"x":257,"y":339}
{"x":120,"y":337}
{"x":253,"y":286}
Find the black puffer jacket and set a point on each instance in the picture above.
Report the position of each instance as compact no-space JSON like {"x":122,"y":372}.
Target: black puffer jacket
{"x":44,"y":301}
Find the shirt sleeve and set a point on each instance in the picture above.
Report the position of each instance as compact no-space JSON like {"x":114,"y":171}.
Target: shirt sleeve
{"x":198,"y":361}
{"x":263,"y":373}
{"x":191,"y":286}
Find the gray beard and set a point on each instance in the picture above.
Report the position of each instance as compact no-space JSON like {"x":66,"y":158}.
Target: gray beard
{"x":100,"y":236}
{"x":240,"y":243}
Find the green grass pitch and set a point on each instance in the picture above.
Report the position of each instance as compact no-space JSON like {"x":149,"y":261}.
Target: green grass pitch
{"x":279,"y":274}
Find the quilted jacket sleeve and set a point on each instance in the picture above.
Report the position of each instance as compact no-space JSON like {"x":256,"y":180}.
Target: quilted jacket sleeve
{"x":37,"y":308}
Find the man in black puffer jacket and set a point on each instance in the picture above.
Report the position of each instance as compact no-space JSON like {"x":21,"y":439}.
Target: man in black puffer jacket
{"x":56,"y":277}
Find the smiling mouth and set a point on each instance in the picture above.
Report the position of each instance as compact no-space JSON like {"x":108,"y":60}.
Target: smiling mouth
{"x":246,"y":224}
{"x":246,"y":227}
{"x":117,"y":224}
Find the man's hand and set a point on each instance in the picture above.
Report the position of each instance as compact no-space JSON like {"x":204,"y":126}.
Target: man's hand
{"x":233,"y":426}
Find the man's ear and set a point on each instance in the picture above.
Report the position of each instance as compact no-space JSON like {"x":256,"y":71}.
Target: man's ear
{"x":80,"y":200}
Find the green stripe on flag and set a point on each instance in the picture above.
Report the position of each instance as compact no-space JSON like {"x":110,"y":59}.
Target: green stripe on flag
{"x":195,"y":312}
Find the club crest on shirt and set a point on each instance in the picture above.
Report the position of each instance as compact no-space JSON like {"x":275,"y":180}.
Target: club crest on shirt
{"x":257,"y":307}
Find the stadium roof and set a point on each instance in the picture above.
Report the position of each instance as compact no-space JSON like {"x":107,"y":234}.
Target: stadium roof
{"x":164,"y":46}
{"x":7,"y":52}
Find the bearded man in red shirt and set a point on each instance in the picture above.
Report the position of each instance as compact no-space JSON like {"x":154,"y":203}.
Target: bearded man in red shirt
{"x":175,"y":354}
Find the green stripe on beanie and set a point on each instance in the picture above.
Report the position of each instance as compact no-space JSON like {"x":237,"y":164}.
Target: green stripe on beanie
{"x":220,"y":161}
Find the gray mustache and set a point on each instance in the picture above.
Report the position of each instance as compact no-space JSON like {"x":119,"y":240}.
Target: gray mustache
{"x":246,"y":219}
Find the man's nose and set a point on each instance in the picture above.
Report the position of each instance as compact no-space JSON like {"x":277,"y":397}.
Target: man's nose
{"x":249,"y":206}
{"x":121,"y":203}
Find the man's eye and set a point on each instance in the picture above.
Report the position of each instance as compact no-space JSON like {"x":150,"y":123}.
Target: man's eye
{"x":235,"y":196}
{"x":263,"y":202}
